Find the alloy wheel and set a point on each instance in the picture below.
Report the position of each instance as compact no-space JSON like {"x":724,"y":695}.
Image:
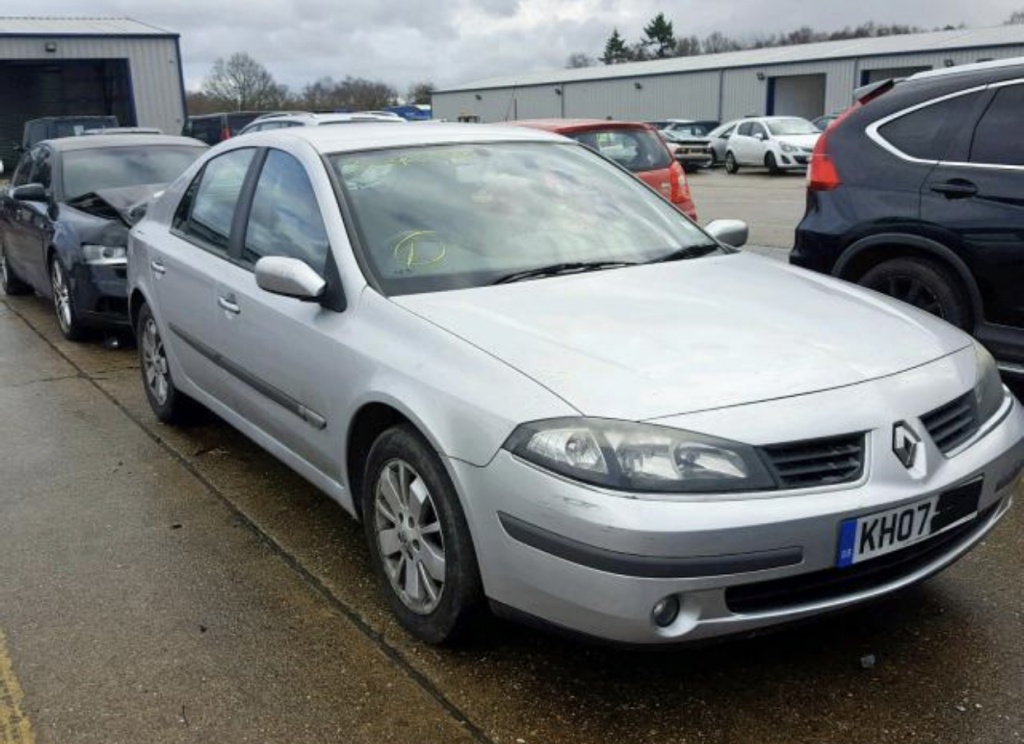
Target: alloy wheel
{"x":914,"y":292}
{"x":409,"y":537}
{"x":61,"y":296}
{"x":154,"y":362}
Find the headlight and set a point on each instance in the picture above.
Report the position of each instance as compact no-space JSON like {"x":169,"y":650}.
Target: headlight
{"x":988,"y":390}
{"x":640,"y":457}
{"x":789,"y":148}
{"x":108,"y":255}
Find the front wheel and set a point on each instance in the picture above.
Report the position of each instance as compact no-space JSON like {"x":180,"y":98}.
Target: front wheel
{"x":731,"y":166}
{"x":771,"y":164}
{"x":64,"y":302}
{"x":419,"y":541}
{"x":924,"y":284}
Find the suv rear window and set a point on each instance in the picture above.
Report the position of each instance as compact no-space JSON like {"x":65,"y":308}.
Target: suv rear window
{"x":927,"y":132}
{"x":996,"y":138}
{"x":638,"y":150}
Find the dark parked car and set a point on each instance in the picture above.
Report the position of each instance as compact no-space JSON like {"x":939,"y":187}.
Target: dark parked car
{"x":917,"y":192}
{"x":65,"y":216}
{"x":215,"y":128}
{"x":54,"y":127}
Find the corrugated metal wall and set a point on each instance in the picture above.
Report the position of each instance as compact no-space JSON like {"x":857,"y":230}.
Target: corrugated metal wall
{"x":153,"y":63}
{"x":693,"y":95}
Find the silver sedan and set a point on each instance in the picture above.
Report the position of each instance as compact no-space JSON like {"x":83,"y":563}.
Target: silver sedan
{"x":542,"y":388}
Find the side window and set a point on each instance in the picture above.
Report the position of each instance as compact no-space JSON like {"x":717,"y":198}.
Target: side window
{"x":745,"y":129}
{"x":43,"y":171}
{"x":285,"y":219}
{"x":757,"y":129}
{"x":928,"y":132}
{"x":996,"y":138}
{"x":208,"y":207}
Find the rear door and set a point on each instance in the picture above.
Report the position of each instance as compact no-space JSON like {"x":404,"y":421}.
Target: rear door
{"x":186,"y":264}
{"x":977,"y":193}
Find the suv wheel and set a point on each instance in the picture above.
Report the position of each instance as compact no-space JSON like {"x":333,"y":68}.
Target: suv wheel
{"x":731,"y":166}
{"x":924,"y":284}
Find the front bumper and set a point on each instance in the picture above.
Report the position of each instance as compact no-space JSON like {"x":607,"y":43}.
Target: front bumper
{"x":694,"y":158}
{"x":101,"y":295}
{"x":596,"y":562}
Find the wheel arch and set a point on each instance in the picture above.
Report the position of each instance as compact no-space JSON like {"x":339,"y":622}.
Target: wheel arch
{"x":136,"y":299}
{"x":869,"y":252}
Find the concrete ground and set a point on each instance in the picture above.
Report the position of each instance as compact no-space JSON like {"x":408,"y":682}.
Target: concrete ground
{"x":179,"y":585}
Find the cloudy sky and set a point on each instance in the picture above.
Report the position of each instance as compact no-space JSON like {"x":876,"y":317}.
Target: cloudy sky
{"x":447,"y":42}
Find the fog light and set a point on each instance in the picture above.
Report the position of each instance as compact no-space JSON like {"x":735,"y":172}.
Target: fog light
{"x":666,"y":611}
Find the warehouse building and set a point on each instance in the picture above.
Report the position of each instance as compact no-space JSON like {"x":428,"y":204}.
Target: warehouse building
{"x":806,"y":80}
{"x":87,"y":66}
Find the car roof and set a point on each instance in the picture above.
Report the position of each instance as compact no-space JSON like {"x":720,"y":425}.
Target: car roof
{"x":563,"y":126}
{"x":311,"y":117}
{"x":101,"y":141}
{"x":382,"y":134}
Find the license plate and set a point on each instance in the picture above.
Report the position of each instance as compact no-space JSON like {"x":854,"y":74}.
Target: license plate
{"x":884,"y":532}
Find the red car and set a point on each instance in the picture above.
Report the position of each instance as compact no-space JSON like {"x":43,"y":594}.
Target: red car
{"x":632,"y":145}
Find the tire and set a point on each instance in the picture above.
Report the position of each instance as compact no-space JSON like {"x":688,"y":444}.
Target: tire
{"x":64,"y":301}
{"x":10,"y":282}
{"x":168,"y":403}
{"x":731,"y":166}
{"x":771,"y":164}
{"x":924,"y":284}
{"x":713,"y":163}
{"x":444,"y":599}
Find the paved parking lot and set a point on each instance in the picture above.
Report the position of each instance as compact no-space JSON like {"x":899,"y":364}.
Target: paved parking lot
{"x":179,"y":585}
{"x":771,"y":205}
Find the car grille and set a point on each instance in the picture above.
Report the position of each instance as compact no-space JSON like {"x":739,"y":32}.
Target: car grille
{"x":833,"y":583}
{"x":952,"y":424}
{"x":817,"y":462}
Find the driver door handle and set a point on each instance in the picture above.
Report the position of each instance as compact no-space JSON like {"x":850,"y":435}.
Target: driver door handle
{"x":956,"y":188}
{"x":157,"y":267}
{"x":229,"y":303}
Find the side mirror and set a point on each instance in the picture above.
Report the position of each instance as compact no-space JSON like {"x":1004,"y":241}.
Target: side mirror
{"x":730,"y":232}
{"x":1,"y":167}
{"x":760,"y":136}
{"x":33,"y":192}
{"x":289,"y":277}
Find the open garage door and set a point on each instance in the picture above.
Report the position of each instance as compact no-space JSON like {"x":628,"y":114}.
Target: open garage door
{"x":31,"y":89}
{"x":796,"y":95}
{"x":873,"y":76}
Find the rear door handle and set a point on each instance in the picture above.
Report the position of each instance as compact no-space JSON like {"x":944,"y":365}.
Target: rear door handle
{"x":956,"y":188}
{"x":229,"y":303}
{"x":157,"y":267}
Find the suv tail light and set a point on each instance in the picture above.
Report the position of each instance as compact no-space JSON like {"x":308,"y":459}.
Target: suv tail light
{"x":225,"y":133}
{"x":821,"y":173}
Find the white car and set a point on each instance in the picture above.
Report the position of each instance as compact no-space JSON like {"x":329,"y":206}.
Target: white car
{"x":777,"y":143}
{"x":541,"y":387}
{"x":287,"y":119}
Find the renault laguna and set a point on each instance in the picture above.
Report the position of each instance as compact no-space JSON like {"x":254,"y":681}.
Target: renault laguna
{"x":544,"y":390}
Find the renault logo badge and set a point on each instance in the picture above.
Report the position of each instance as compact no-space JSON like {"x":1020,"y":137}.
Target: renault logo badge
{"x":904,"y":444}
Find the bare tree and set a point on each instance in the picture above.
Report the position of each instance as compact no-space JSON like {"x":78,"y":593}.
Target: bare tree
{"x":420,"y":92}
{"x":1016,"y":18}
{"x":244,"y":84}
{"x":577,"y":60}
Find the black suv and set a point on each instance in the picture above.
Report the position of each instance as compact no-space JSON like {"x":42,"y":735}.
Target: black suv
{"x":215,"y":128}
{"x":918,"y":192}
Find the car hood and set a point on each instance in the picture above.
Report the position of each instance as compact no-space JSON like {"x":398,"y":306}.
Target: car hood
{"x":125,"y":202}
{"x":800,"y":140}
{"x":666,"y":339}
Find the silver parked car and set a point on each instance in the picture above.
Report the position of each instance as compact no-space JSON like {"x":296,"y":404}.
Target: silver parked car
{"x":539,"y":385}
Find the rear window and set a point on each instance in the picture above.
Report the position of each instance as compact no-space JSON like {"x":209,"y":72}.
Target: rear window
{"x":638,"y":150}
{"x":207,"y":129}
{"x":236,"y":122}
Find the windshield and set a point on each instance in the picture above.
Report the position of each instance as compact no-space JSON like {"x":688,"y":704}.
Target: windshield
{"x":791,"y":126}
{"x":85,"y":171}
{"x":455,"y":216}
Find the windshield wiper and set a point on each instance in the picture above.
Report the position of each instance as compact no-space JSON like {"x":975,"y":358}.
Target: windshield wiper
{"x":570,"y":267}
{"x":690,"y":251}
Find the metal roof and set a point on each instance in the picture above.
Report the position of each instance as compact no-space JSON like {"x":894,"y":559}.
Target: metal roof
{"x":45,"y":26}
{"x":936,"y":41}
